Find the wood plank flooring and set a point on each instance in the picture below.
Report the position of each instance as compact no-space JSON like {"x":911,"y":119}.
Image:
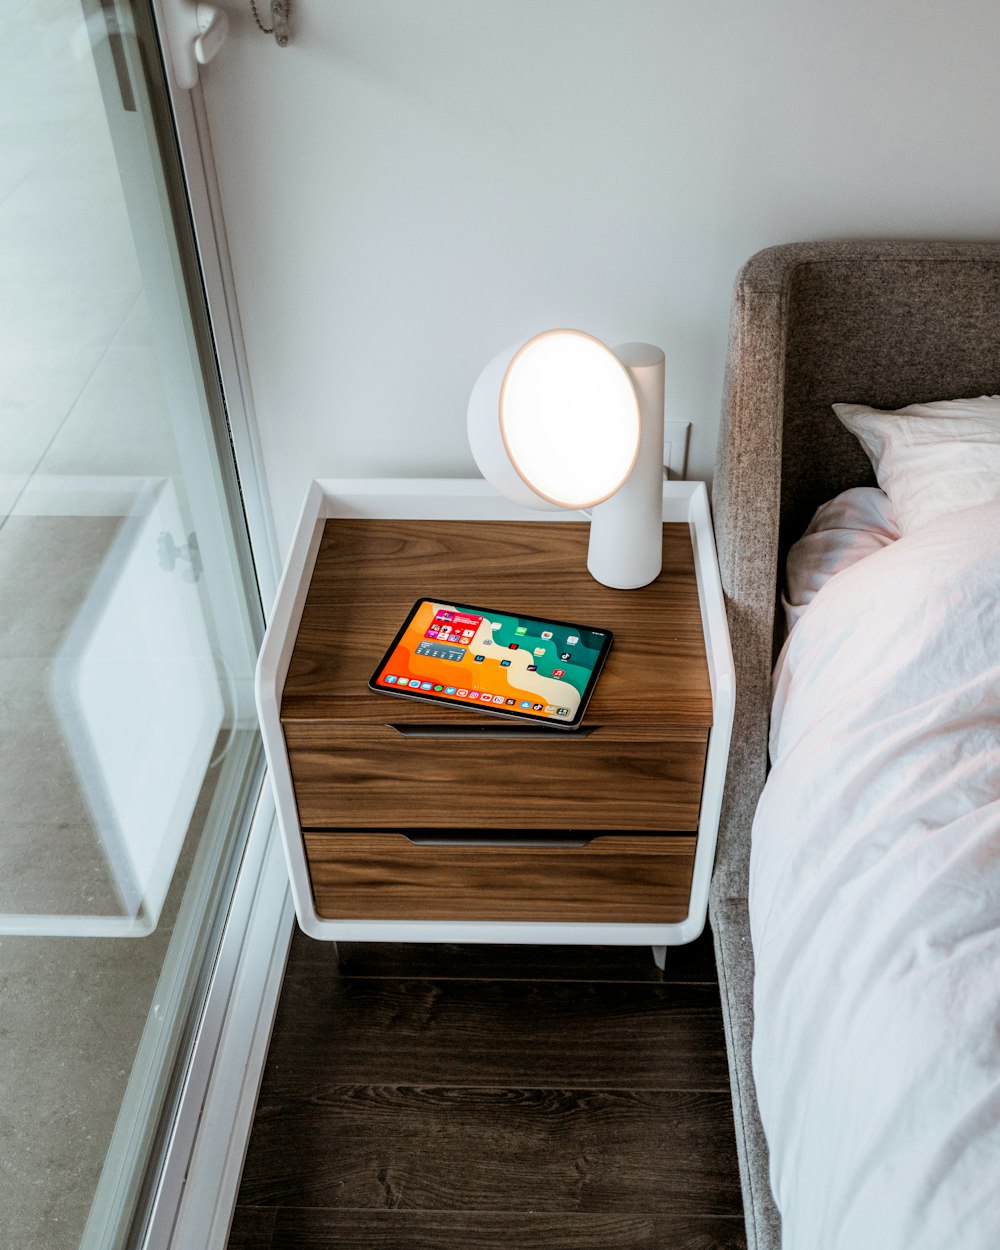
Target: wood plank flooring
{"x":427,"y":1097}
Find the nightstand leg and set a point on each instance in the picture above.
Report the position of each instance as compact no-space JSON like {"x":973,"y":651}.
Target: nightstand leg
{"x":660,"y":957}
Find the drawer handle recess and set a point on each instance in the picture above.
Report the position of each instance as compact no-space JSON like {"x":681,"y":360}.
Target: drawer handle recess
{"x":488,"y":731}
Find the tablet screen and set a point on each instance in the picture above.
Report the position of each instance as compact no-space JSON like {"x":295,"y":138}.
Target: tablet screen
{"x":493,"y":661}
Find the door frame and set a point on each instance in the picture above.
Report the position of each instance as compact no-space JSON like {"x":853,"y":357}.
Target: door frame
{"x":196,"y":1191}
{"x":194,"y":143}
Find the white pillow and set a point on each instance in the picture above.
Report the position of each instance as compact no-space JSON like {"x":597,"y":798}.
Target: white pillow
{"x":931,"y":458}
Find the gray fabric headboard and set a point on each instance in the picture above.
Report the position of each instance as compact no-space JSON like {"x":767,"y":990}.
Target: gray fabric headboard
{"x":883,"y":323}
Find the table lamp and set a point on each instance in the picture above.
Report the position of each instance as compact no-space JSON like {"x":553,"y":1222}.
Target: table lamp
{"x":563,"y":421}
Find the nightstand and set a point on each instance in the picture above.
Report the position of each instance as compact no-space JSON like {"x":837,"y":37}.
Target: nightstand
{"x":403,"y":820}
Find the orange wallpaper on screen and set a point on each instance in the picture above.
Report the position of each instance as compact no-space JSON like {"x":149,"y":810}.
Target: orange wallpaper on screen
{"x":487,"y":676}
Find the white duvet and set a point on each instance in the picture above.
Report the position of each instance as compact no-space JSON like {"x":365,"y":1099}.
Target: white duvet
{"x":875,"y":902}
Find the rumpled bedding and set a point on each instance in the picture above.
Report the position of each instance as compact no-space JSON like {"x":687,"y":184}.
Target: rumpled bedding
{"x":855,"y":524}
{"x":875,"y":901}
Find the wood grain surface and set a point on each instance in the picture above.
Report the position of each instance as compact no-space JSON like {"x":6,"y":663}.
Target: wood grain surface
{"x":467,"y":1112}
{"x":438,"y":1230}
{"x":524,"y":1150}
{"x":385,"y":876}
{"x":369,"y":573}
{"x":694,"y":962}
{"x":584,"y":1034}
{"x":374,"y":777}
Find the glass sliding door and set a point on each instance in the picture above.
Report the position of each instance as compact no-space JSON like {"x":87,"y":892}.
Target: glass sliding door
{"x":129,"y":624}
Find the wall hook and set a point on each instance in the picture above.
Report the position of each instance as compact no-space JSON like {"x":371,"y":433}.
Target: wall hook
{"x":279,"y":21}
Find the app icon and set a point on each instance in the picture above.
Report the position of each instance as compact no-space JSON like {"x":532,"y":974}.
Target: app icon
{"x":511,"y":702}
{"x":425,"y":685}
{"x":565,"y":655}
{"x":449,"y":689}
{"x":550,"y":709}
{"x":521,"y":629}
{"x":487,"y":642}
{"x":511,"y":646}
{"x":532,"y":668}
{"x":536,"y":707}
{"x":438,"y":689}
{"x":505,"y":663}
{"x":562,"y":711}
{"x":525,"y":703}
{"x":497,"y":698}
{"x":462,"y":694}
{"x":558,"y":672}
{"x":474,"y":694}
{"x":479,"y":658}
{"x":389,"y":681}
{"x":546,"y":634}
{"x":415,"y":683}
{"x":539,"y":651}
{"x":572,"y":640}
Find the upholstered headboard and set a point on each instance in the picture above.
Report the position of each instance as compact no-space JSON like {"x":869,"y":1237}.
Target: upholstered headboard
{"x":881,"y":323}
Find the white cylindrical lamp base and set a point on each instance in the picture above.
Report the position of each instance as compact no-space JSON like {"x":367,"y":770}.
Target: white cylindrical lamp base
{"x":626,"y":531}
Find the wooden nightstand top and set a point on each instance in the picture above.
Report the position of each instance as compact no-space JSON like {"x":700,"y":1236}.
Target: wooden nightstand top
{"x":368,"y":573}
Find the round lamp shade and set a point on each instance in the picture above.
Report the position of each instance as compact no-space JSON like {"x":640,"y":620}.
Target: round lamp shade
{"x":555,"y":421}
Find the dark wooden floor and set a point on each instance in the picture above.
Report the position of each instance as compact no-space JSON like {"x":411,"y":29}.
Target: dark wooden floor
{"x":476,"y":1097}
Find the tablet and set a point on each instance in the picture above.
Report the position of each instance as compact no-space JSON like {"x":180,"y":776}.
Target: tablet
{"x":489,"y":661}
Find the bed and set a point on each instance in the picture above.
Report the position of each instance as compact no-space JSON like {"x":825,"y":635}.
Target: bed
{"x":885,"y":324}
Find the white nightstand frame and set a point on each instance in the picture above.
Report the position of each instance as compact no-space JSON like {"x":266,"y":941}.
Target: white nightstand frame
{"x":460,"y":499}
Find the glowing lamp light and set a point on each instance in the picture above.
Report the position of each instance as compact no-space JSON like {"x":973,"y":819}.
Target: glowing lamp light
{"x":563,"y":421}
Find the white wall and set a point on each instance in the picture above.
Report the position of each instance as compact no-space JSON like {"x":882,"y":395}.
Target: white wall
{"x":410,"y":186}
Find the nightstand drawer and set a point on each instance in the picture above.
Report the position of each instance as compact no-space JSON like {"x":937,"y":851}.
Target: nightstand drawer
{"x":385,"y":876}
{"x":431,"y":776}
